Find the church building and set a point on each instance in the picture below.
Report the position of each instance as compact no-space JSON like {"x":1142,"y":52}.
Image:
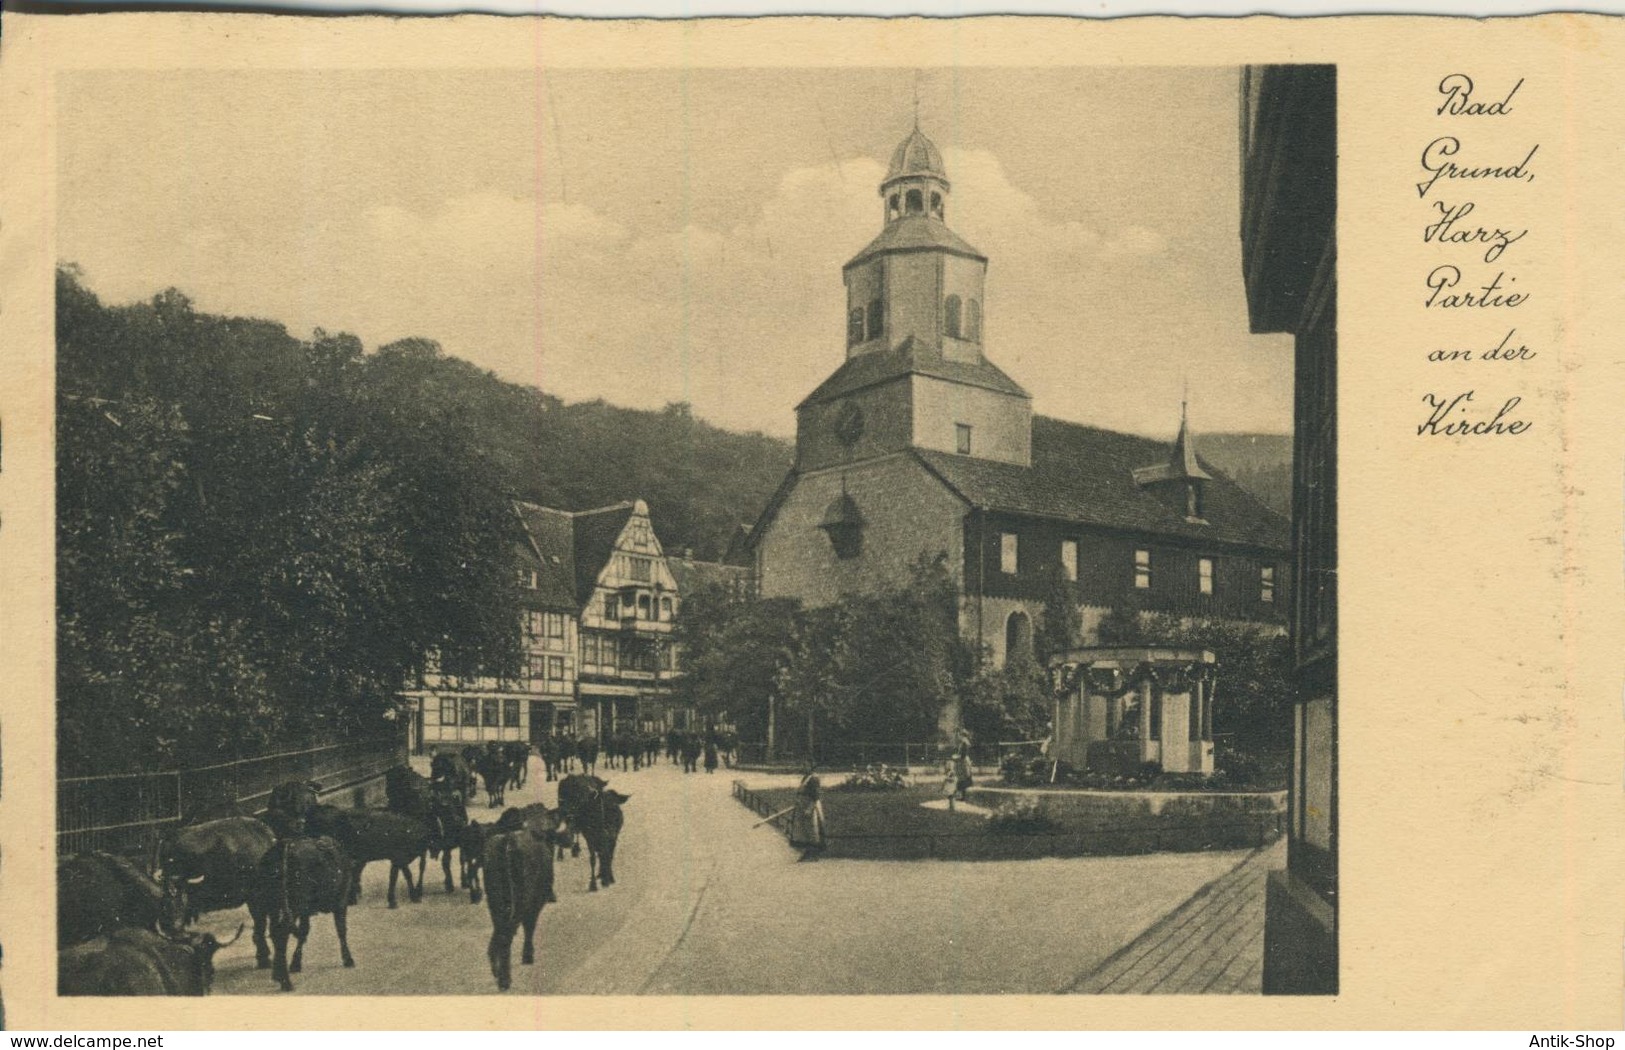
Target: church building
{"x":918,"y":443}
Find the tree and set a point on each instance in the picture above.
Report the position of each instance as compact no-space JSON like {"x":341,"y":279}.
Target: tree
{"x":1061,"y":626}
{"x":1254,"y":691}
{"x":733,"y":651}
{"x":258,"y":536}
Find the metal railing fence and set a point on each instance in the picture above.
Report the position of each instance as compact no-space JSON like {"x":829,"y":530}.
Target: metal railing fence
{"x":129,"y":812}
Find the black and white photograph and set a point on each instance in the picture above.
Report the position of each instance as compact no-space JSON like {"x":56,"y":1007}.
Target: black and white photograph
{"x":697,"y":531}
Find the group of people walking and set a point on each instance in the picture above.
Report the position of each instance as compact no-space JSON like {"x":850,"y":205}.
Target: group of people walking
{"x":712,"y":747}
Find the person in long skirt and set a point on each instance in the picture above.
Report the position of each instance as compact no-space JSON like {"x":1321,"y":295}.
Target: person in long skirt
{"x":711,"y":755}
{"x":807,"y":822}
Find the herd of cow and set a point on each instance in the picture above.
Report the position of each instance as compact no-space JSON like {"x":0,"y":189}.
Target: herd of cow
{"x":122,"y":931}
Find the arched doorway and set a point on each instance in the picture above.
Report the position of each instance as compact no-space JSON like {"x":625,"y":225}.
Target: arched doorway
{"x":1018,"y":637}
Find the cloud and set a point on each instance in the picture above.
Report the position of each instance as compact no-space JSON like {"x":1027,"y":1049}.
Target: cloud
{"x":741,"y":321}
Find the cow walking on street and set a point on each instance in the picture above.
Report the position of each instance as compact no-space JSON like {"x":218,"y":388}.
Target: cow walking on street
{"x":519,"y":882}
{"x":494,"y":772}
{"x":298,"y":878}
{"x":367,"y":835}
{"x":592,"y":809}
{"x":587,"y":751}
{"x":213,"y":867}
{"x":472,"y":853}
{"x":517,"y":754}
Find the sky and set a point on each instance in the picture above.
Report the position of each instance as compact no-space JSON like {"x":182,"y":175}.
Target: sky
{"x":654,"y":236}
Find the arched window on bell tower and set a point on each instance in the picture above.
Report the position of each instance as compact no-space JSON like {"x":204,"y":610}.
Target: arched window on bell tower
{"x":877,"y":319}
{"x":854,"y":326}
{"x":936,"y":205}
{"x":973,"y":321}
{"x":950,"y":317}
{"x":894,"y":207}
{"x":914,"y":202}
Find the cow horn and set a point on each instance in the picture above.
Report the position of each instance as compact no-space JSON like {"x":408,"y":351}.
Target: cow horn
{"x":195,"y":880}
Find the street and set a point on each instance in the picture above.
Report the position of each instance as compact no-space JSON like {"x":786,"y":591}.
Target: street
{"x":706,"y":905}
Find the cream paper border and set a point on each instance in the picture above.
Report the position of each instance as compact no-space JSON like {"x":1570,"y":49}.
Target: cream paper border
{"x":1481,"y":599}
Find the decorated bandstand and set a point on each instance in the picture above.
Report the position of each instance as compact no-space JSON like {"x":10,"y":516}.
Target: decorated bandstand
{"x":1119,"y":708}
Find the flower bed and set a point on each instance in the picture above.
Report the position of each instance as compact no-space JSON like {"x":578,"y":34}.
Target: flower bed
{"x":894,"y":825}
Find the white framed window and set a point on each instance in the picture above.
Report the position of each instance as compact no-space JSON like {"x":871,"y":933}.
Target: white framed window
{"x":1266,"y":583}
{"x":554,"y":624}
{"x":962,"y":438}
{"x":1069,"y":559}
{"x":1142,"y":569}
{"x":642,"y":569}
{"x":1204,"y":575}
{"x":1009,"y":553}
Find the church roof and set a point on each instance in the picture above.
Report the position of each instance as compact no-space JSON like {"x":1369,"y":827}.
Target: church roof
{"x":910,"y":357}
{"x":916,"y":155}
{"x":915,"y":233}
{"x":1086,"y":475}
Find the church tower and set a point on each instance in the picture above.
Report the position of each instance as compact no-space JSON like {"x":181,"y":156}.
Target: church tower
{"x":916,"y":373}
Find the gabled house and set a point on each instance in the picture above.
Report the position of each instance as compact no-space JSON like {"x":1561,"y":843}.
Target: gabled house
{"x":626,"y":600}
{"x":451,"y":712}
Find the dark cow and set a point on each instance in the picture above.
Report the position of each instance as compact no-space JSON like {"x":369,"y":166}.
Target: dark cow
{"x":518,"y":881}
{"x":214,"y":864}
{"x":472,"y":852}
{"x":300,"y":877}
{"x":373,"y":834}
{"x":494,"y":772}
{"x":447,"y":818}
{"x":587,"y":751}
{"x":451,"y":768}
{"x":97,"y":893}
{"x":406,"y":791}
{"x":289,"y":805}
{"x":575,"y":791}
{"x":140,"y":962}
{"x":594,"y":811}
{"x":517,"y":753}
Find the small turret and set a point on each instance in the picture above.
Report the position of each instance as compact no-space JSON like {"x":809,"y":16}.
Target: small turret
{"x":1181,"y":479}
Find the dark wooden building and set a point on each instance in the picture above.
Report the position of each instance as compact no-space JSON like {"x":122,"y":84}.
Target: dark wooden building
{"x":1289,"y":254}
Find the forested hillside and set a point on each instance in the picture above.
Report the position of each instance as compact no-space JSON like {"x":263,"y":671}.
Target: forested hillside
{"x":259,"y":536}
{"x":1259,"y":463}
